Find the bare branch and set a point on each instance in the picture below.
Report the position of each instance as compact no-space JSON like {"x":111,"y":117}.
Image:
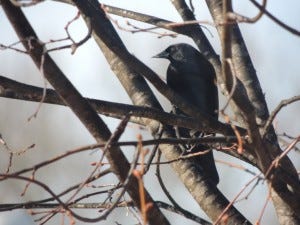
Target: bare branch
{"x":256,"y":115}
{"x":82,"y":109}
{"x":13,"y":89}
{"x":128,"y":68}
{"x":277,"y":21}
{"x":240,"y":18}
{"x":282,"y":104}
{"x":236,"y":78}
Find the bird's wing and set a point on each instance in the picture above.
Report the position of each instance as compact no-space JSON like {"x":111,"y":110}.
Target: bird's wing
{"x":192,"y":86}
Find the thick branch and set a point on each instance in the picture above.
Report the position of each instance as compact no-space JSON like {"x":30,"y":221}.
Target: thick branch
{"x":256,"y":117}
{"x":128,"y":68}
{"x":191,"y":30}
{"x":13,"y":89}
{"x":78,"y":104}
{"x":198,"y":36}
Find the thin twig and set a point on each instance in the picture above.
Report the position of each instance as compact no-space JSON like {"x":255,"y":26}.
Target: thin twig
{"x":268,"y":198}
{"x":125,"y":184}
{"x":277,"y":21}
{"x":16,"y":90}
{"x":162,"y":185}
{"x":182,"y":212}
{"x":276,"y":161}
{"x":240,"y":18}
{"x":74,"y":46}
{"x":237,"y":166}
{"x":34,"y":115}
{"x":220,"y":218}
{"x":154,"y":150}
{"x":285,"y":143}
{"x":114,"y":138}
{"x":234,"y":84}
{"x":282,"y":104}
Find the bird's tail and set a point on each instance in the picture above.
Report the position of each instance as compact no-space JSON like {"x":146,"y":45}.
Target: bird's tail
{"x":206,"y":161}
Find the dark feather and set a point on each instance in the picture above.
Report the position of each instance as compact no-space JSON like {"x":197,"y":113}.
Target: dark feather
{"x":192,"y":76}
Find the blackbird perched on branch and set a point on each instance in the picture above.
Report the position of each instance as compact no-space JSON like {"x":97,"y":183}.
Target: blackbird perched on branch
{"x":192,"y":76}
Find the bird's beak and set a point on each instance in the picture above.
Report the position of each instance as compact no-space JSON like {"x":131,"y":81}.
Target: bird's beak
{"x":163,"y":54}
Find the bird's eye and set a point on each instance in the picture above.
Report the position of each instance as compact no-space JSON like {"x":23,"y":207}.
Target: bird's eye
{"x":178,"y":56}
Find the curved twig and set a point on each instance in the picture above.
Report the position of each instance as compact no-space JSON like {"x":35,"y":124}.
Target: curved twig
{"x":277,"y":21}
{"x":282,"y":104}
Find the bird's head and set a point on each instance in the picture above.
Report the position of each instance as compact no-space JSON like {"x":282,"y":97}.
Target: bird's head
{"x":178,"y":53}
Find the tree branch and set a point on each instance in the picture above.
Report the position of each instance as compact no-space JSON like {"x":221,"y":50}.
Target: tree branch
{"x":282,"y":104}
{"x":78,"y":104}
{"x":190,"y":27}
{"x":128,"y":68}
{"x":273,"y":18}
{"x":12,"y":89}
{"x":266,"y":150}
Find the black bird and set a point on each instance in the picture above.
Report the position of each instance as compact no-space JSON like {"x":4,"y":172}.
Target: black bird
{"x":192,"y":76}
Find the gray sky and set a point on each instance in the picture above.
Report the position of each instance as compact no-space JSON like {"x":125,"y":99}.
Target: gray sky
{"x":274,"y":51}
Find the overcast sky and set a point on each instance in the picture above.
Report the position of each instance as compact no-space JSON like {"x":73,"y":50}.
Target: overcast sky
{"x":274,"y":51}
